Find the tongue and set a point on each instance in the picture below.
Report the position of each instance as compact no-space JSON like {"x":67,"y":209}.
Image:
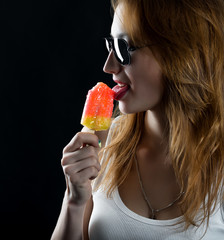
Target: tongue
{"x":118,"y":90}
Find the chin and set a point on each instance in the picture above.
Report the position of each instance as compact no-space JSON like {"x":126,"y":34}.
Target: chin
{"x":135,"y":108}
{"x":129,"y":108}
{"x":124,"y":108}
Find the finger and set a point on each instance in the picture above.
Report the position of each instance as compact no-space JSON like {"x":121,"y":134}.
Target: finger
{"x":79,"y":155}
{"x":81,"y":165}
{"x":80,"y":139}
{"x":84,"y":175}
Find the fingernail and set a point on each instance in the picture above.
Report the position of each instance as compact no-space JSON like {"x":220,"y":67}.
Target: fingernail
{"x":99,"y":143}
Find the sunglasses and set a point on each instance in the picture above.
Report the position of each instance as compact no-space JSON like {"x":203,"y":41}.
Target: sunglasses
{"x":121,"y":49}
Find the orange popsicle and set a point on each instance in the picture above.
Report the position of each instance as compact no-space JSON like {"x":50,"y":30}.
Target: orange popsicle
{"x":98,"y":108}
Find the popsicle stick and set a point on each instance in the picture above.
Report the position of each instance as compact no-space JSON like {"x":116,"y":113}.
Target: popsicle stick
{"x":87,"y":130}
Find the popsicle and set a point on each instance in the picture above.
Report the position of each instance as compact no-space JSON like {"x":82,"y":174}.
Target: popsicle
{"x":98,"y":108}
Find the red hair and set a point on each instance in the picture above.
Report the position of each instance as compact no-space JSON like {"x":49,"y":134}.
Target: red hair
{"x":189,"y":38}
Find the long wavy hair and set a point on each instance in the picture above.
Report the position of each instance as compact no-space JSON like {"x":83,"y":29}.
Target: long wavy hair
{"x":189,"y":40}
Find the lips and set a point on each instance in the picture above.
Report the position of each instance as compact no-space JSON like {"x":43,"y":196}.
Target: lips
{"x":120,"y":90}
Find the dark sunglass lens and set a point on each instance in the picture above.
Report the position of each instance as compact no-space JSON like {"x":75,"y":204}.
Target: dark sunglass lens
{"x":121,"y":51}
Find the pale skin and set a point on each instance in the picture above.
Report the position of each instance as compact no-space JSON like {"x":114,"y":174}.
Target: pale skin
{"x":80,"y":164}
{"x":146,"y":90}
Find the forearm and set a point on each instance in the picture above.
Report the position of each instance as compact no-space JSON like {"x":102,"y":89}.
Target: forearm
{"x":70,"y":222}
{"x":80,"y":164}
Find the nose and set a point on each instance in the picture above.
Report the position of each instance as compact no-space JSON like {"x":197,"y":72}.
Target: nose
{"x":111,"y":65}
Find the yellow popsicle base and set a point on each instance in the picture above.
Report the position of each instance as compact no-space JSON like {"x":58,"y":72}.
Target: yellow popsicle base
{"x":96,"y":123}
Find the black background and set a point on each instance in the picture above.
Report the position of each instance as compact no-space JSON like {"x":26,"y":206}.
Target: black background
{"x":52,"y":53}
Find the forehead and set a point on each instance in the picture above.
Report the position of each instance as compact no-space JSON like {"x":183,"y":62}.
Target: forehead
{"x":117,"y":28}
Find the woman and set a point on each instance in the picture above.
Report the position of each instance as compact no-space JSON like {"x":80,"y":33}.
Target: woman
{"x":161,"y":173}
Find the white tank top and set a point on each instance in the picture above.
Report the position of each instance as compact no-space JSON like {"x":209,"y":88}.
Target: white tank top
{"x":112,"y":220}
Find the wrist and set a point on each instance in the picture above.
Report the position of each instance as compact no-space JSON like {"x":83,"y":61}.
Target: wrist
{"x":71,"y":203}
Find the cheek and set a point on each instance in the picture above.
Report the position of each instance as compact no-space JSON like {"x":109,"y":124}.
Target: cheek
{"x":150,"y":94}
{"x":147,"y":88}
{"x":148,"y":81}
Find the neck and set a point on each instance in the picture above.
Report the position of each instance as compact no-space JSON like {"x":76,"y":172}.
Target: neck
{"x":154,"y":126}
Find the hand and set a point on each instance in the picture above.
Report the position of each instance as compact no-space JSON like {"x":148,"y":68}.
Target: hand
{"x":80,"y":165}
